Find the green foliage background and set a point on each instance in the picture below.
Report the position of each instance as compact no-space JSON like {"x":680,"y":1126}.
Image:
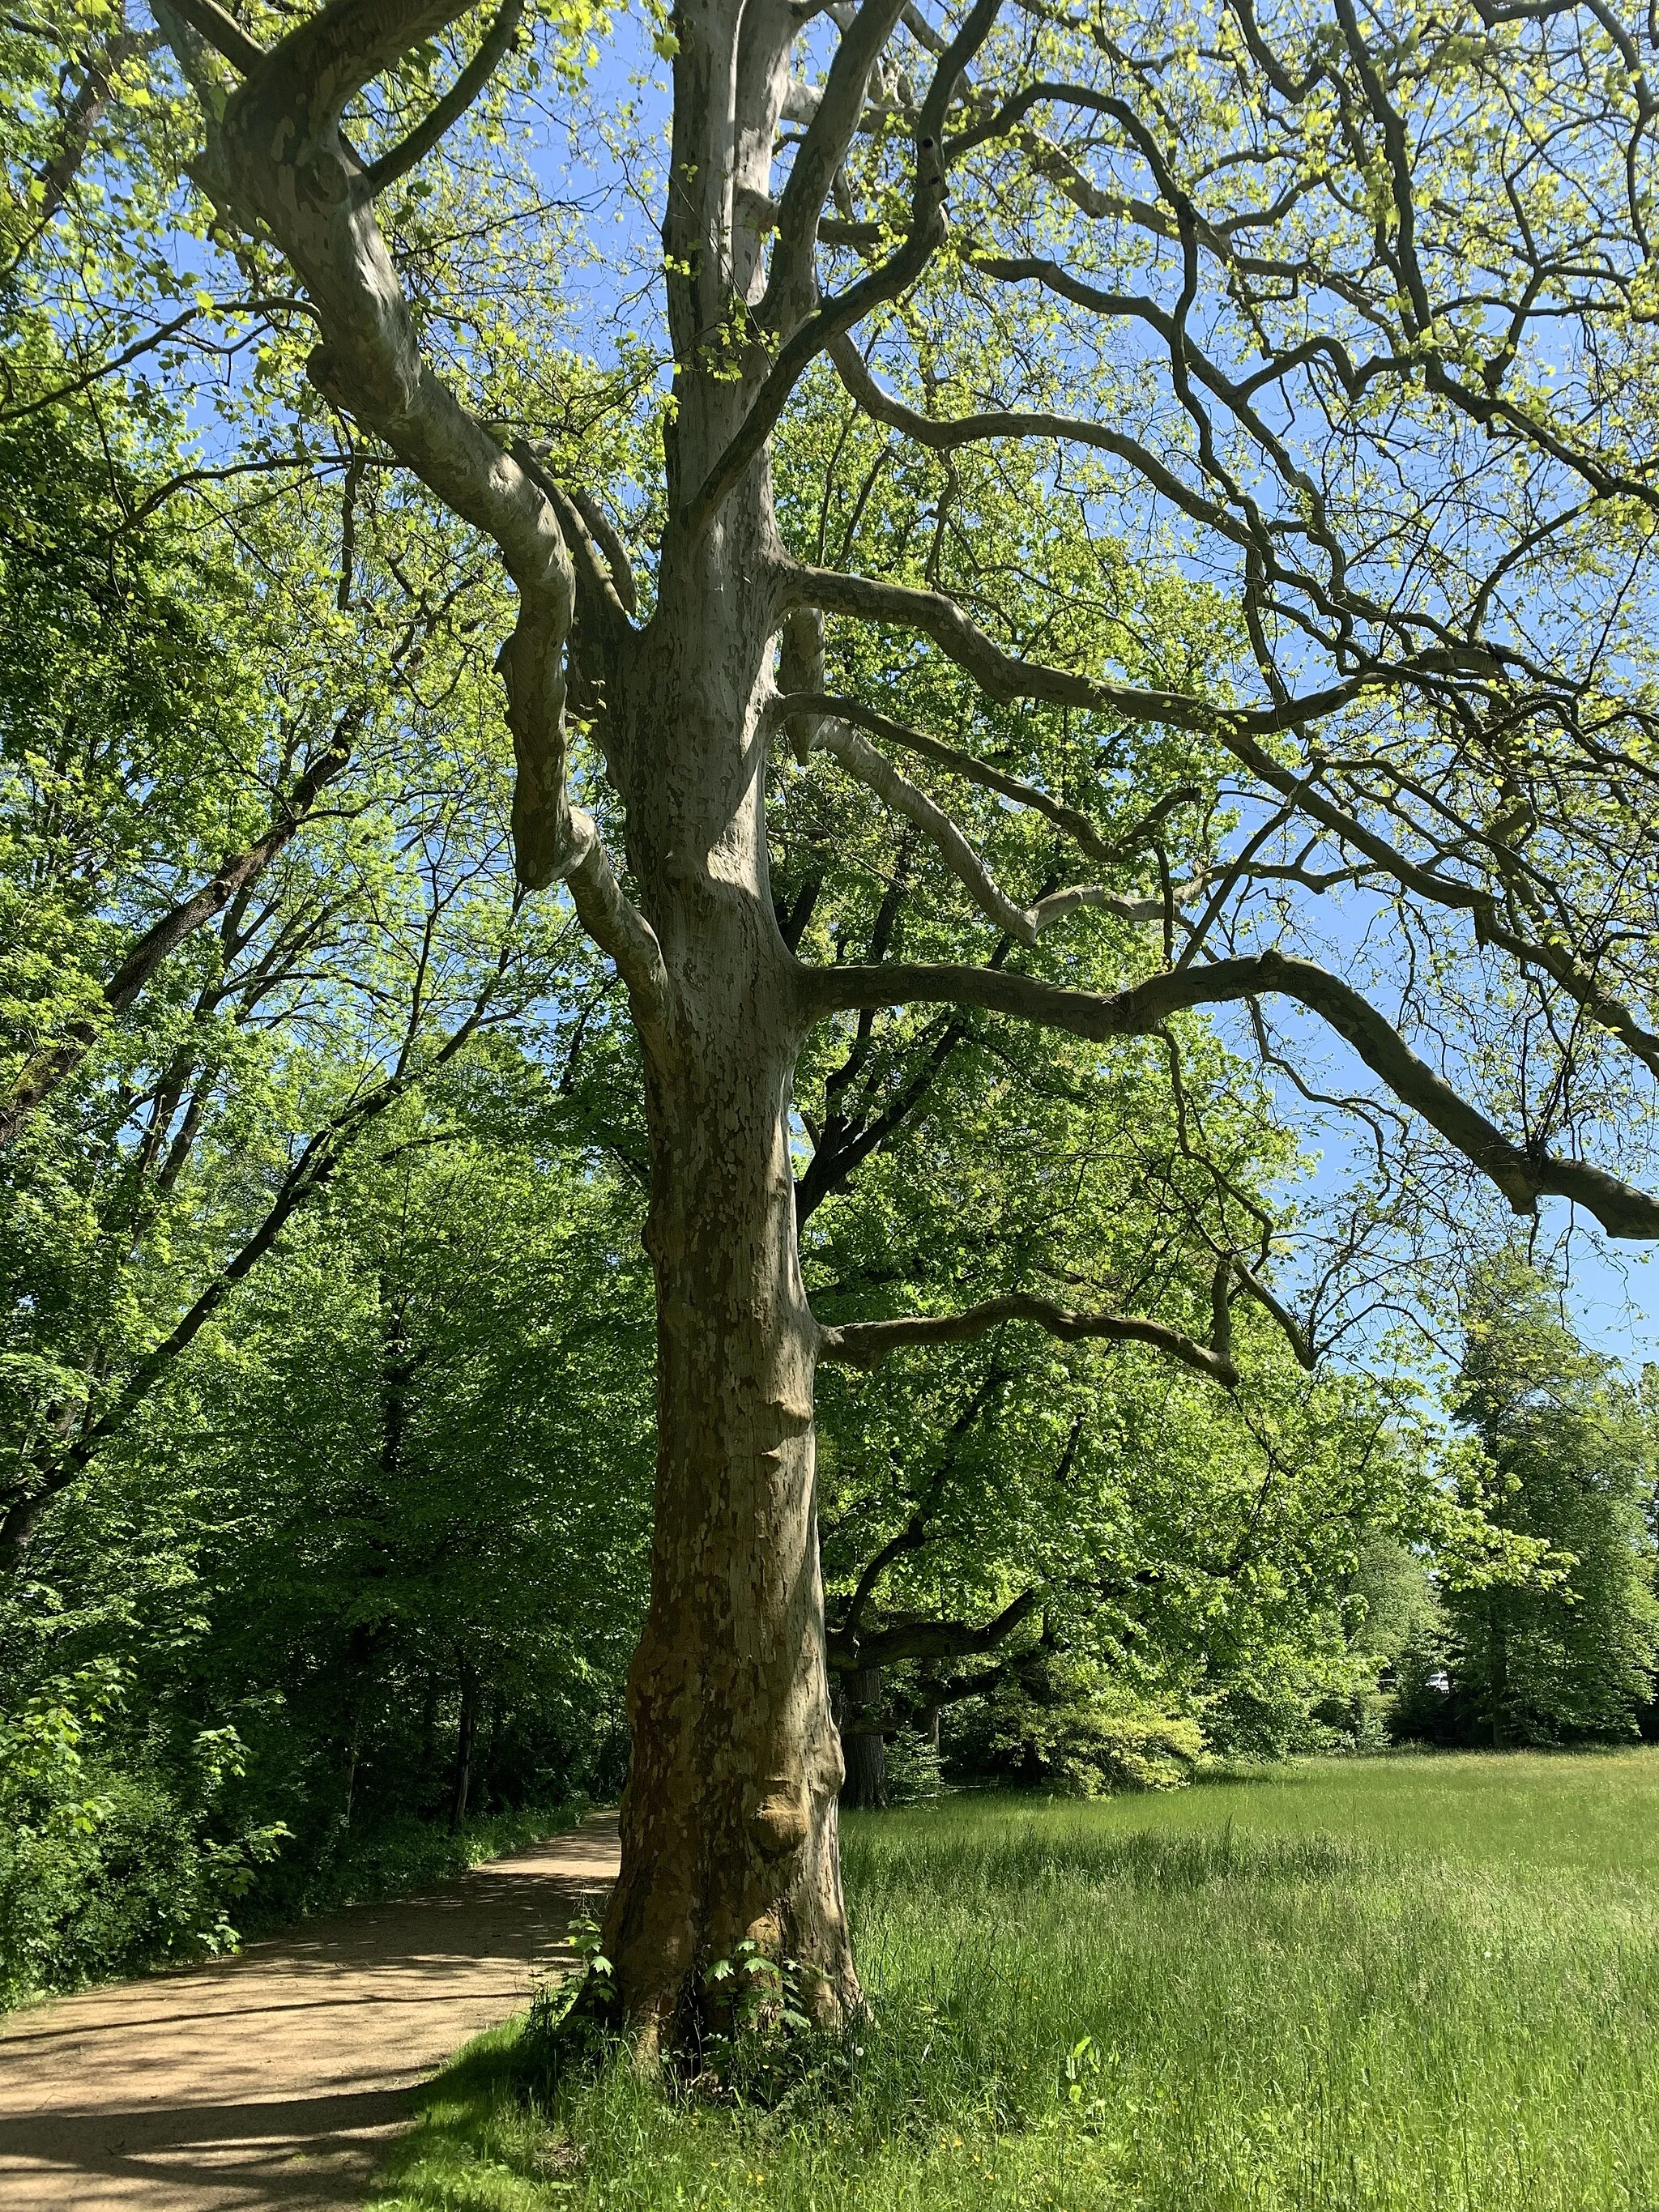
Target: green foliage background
{"x":327,"y":1251}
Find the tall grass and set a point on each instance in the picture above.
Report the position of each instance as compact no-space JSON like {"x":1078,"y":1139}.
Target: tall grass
{"x":1421,"y":1985}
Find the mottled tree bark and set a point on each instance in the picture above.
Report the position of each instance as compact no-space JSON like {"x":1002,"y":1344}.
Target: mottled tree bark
{"x":729,"y":1819}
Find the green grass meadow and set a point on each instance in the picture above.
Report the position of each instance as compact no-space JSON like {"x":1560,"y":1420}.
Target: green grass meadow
{"x":1407,"y":1985}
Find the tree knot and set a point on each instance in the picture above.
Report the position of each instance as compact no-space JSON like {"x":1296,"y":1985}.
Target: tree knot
{"x":780,"y":1823}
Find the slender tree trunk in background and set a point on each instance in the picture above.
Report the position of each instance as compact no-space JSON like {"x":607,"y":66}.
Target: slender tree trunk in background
{"x":465,"y":1736}
{"x":491,"y":1757}
{"x":361,"y":1646}
{"x":429,"y":1734}
{"x":1499,"y":1677}
{"x":863,"y":1745}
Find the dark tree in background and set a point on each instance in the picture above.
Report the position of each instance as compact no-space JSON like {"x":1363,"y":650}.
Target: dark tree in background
{"x":1569,"y":1657}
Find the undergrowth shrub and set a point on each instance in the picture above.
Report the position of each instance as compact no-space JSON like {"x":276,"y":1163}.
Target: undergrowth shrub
{"x":122,"y":1848}
{"x":1076,"y":1732}
{"x":916,"y":1769}
{"x":755,"y":2047}
{"x":110,"y":1861}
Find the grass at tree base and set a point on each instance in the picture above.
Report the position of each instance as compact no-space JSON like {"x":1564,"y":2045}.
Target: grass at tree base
{"x":1413,"y":1984}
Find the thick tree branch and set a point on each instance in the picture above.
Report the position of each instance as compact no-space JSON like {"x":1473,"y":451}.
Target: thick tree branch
{"x":867,"y":1344}
{"x":53,"y":182}
{"x":608,"y":539}
{"x":948,"y":437}
{"x":1005,"y":677}
{"x":930,"y":1639}
{"x":1523,"y":1176}
{"x":279,"y":147}
{"x":840,"y":313}
{"x":613,"y":921}
{"x":222,"y":32}
{"x":326,"y":60}
{"x":790,"y":288}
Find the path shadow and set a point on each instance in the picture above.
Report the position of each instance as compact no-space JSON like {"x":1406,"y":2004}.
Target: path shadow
{"x":282,"y":2138}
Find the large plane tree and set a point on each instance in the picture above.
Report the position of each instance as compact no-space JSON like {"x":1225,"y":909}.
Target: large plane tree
{"x":1334,"y":322}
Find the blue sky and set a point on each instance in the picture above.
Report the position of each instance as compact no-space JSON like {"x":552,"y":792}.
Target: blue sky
{"x":1611,"y":1293}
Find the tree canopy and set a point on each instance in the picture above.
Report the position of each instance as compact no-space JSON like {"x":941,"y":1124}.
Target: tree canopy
{"x":1086,"y":602}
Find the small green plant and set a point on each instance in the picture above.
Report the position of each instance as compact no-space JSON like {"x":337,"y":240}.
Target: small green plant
{"x":756,"y":1993}
{"x":1083,"y":1736}
{"x":761,"y":2046}
{"x":108,"y":1861}
{"x":569,"y":2023}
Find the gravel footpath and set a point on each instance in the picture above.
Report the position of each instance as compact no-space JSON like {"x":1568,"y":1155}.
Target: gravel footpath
{"x":275,"y":2078}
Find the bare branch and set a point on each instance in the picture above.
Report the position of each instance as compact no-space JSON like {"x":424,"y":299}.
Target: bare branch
{"x":807,"y":706}
{"x":1023,"y":924}
{"x":947,"y":437}
{"x":43,"y":1074}
{"x":1005,"y":677}
{"x":1295,"y":1335}
{"x":455,"y":102}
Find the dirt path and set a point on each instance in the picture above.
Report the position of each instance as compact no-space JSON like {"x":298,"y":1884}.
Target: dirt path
{"x":274,"y":2078}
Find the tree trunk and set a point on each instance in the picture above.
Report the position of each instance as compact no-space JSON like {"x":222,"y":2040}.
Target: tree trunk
{"x":728,"y":1823}
{"x":466,"y":1734}
{"x":729,"y":1816}
{"x":490,"y":1766}
{"x":863,"y":1744}
{"x":425,"y":1755}
{"x":17,"y":1527}
{"x":360,"y":1651}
